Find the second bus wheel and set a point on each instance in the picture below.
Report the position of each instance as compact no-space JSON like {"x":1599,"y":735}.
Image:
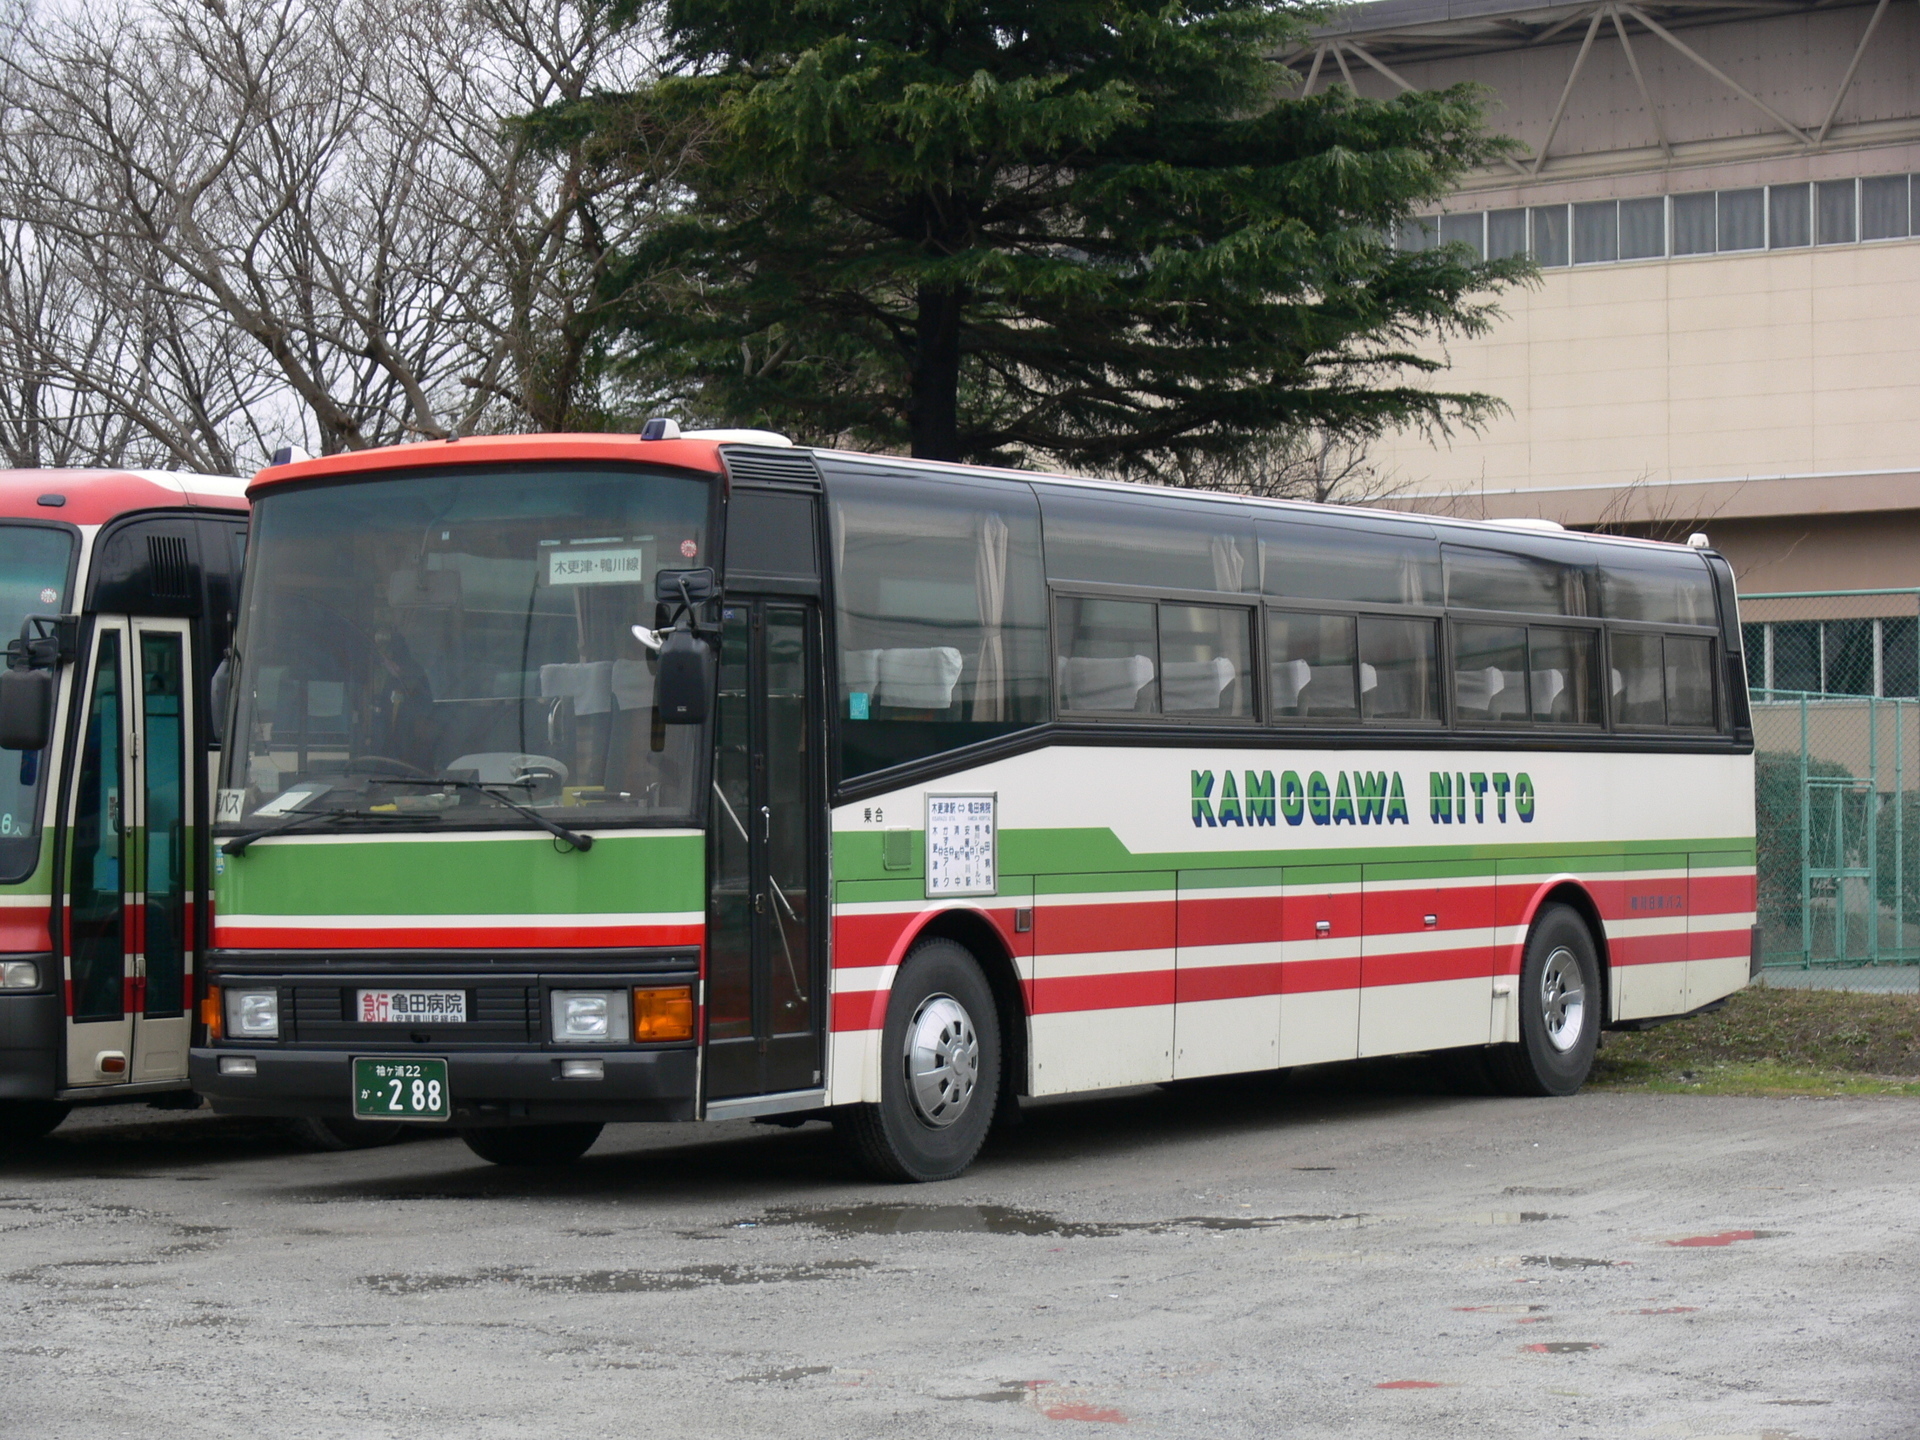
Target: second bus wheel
{"x":533,"y":1145}
{"x":1559,"y":998}
{"x":940,"y":1075}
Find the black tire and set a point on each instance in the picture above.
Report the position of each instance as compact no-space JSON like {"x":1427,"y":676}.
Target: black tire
{"x":533,"y":1146}
{"x":24,"y":1121}
{"x":931,"y":1130}
{"x":332,"y":1134}
{"x":1556,"y":1045}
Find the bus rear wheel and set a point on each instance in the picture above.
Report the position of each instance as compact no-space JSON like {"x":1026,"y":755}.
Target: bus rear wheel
{"x":530,"y":1146}
{"x":25,"y":1120}
{"x":1559,"y":999}
{"x":940,"y":1071}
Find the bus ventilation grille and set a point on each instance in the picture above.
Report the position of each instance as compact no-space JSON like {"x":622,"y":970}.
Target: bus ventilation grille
{"x":170,"y":566}
{"x":778,"y":467}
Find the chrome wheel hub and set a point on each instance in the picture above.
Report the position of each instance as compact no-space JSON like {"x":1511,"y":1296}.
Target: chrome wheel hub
{"x":942,"y":1060}
{"x":1563,"y":999}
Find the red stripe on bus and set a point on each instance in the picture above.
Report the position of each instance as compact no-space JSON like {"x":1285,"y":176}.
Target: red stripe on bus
{"x":1226,"y":982}
{"x":1720,"y":945}
{"x":859,"y":1010}
{"x":229,"y":935}
{"x":1091,"y":929}
{"x":1307,"y":977}
{"x":1228,"y":920}
{"x":1303,"y":914}
{"x":1064,"y":993}
{"x":1647,"y":949}
{"x":1720,"y":894}
{"x":1456,"y":907}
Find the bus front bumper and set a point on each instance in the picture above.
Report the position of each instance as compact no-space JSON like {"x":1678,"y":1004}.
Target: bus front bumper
{"x":488,"y":1087}
{"x":31,"y":1033}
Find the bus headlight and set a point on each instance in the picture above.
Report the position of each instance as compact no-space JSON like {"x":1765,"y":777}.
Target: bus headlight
{"x":253,"y":1014}
{"x":19,"y":975}
{"x":589,"y":1017}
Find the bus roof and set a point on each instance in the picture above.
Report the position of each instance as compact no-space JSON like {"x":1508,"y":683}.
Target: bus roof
{"x":688,"y":454}
{"x":93,"y":497}
{"x":702,"y":453}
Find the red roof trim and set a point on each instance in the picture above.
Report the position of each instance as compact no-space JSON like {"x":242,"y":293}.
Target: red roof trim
{"x":500,"y":449}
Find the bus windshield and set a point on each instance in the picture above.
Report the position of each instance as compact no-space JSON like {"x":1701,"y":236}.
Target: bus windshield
{"x":34,"y":563}
{"x":428,"y":645}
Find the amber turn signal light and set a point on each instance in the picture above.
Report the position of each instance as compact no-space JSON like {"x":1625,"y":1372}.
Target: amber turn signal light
{"x":212,"y":1014}
{"x":663,"y":1014}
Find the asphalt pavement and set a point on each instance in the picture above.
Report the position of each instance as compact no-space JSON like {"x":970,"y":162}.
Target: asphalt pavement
{"x":1352,"y":1253}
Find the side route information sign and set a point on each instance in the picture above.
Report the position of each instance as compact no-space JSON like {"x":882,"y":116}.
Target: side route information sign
{"x":960,"y":845}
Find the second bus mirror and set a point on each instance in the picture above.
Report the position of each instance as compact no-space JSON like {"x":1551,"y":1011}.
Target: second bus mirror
{"x":222,"y":690}
{"x":26,"y":709}
{"x":679,"y":587}
{"x":683,"y":687}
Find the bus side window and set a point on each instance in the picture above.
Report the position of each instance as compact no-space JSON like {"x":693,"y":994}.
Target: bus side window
{"x":941,"y":609}
{"x":1314,"y":674}
{"x":1399,"y":669}
{"x":1658,"y":587}
{"x":1184,"y":545}
{"x":1635,"y":680}
{"x":1533,"y":584}
{"x":1689,"y":676}
{"x":1348,"y":565}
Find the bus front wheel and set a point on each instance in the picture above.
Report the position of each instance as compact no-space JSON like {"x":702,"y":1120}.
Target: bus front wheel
{"x":940,"y":1076}
{"x":1559,"y":998}
{"x":528,"y":1146}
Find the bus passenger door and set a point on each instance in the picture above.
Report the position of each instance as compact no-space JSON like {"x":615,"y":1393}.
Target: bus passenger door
{"x":161,"y":849}
{"x":101,"y":979}
{"x":1426,"y":962}
{"x":763,"y":1000}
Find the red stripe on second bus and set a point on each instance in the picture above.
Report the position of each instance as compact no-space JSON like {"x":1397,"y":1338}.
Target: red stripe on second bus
{"x":229,"y":935}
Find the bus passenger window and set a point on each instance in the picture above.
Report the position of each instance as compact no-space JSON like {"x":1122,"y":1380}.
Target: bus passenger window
{"x":1490,"y":673}
{"x":1313,"y":666}
{"x":1689,"y":680}
{"x":1399,"y":671}
{"x":1634,"y":679}
{"x":1561,"y":669}
{"x":1108,"y":655}
{"x":942,"y":615}
{"x":1203,"y":654}
{"x":1496,"y":580}
{"x":1656,"y":586}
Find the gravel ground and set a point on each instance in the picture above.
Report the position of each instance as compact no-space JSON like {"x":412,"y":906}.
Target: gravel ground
{"x":1231,"y":1260}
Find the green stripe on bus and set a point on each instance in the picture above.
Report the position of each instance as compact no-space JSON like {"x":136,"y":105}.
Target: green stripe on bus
{"x":441,"y":875}
{"x":1094,"y":850}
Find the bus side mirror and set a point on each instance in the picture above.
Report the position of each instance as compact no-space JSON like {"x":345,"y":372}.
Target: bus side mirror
{"x":26,"y":709}
{"x":685,"y":587}
{"x":683,"y":685}
{"x":221,"y":689}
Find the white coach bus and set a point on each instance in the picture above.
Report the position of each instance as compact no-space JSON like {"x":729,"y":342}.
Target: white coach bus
{"x":585,"y":779}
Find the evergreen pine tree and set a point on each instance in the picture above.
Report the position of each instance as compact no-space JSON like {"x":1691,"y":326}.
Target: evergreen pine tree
{"x":1101,"y":232}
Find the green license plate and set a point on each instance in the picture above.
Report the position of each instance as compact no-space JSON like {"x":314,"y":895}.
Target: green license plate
{"x":400,"y":1089}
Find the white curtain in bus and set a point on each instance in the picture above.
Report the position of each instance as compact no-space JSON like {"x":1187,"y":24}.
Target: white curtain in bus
{"x":1229,"y":563}
{"x":990,"y":592}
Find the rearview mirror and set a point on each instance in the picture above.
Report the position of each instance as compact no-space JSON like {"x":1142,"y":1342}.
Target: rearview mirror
{"x":26,"y":709}
{"x":693,"y":587}
{"x":222,"y":690}
{"x":683,"y":688}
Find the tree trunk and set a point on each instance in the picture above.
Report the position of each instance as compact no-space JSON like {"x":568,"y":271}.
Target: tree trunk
{"x":933,"y":415}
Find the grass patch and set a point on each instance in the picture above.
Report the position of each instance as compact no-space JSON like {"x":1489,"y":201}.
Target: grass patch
{"x":1774,"y":1042}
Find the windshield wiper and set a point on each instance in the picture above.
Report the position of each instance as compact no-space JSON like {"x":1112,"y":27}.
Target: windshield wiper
{"x":239,"y":843}
{"x":487,"y":788}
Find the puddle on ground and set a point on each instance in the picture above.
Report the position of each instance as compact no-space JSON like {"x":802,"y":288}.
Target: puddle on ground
{"x":897,"y":1219}
{"x":618,"y":1282}
{"x":775,"y":1377}
{"x":1014,"y":1391}
{"x":1499,"y":1309}
{"x":887,"y":1219}
{"x":1573,"y":1262}
{"x":1561,"y":1347}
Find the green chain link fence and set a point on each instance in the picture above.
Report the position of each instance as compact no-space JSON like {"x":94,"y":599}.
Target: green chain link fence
{"x":1836,"y":717}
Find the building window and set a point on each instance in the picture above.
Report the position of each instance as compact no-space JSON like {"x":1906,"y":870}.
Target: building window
{"x":1743,"y":219}
{"x":1836,"y":212}
{"x":1836,"y":657}
{"x":1549,"y":223}
{"x":1507,"y":232}
{"x":1643,"y":228}
{"x":1884,"y":210}
{"x":1468,"y":230}
{"x":1789,"y":217}
{"x":1693,"y":224}
{"x":1596,"y":232}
